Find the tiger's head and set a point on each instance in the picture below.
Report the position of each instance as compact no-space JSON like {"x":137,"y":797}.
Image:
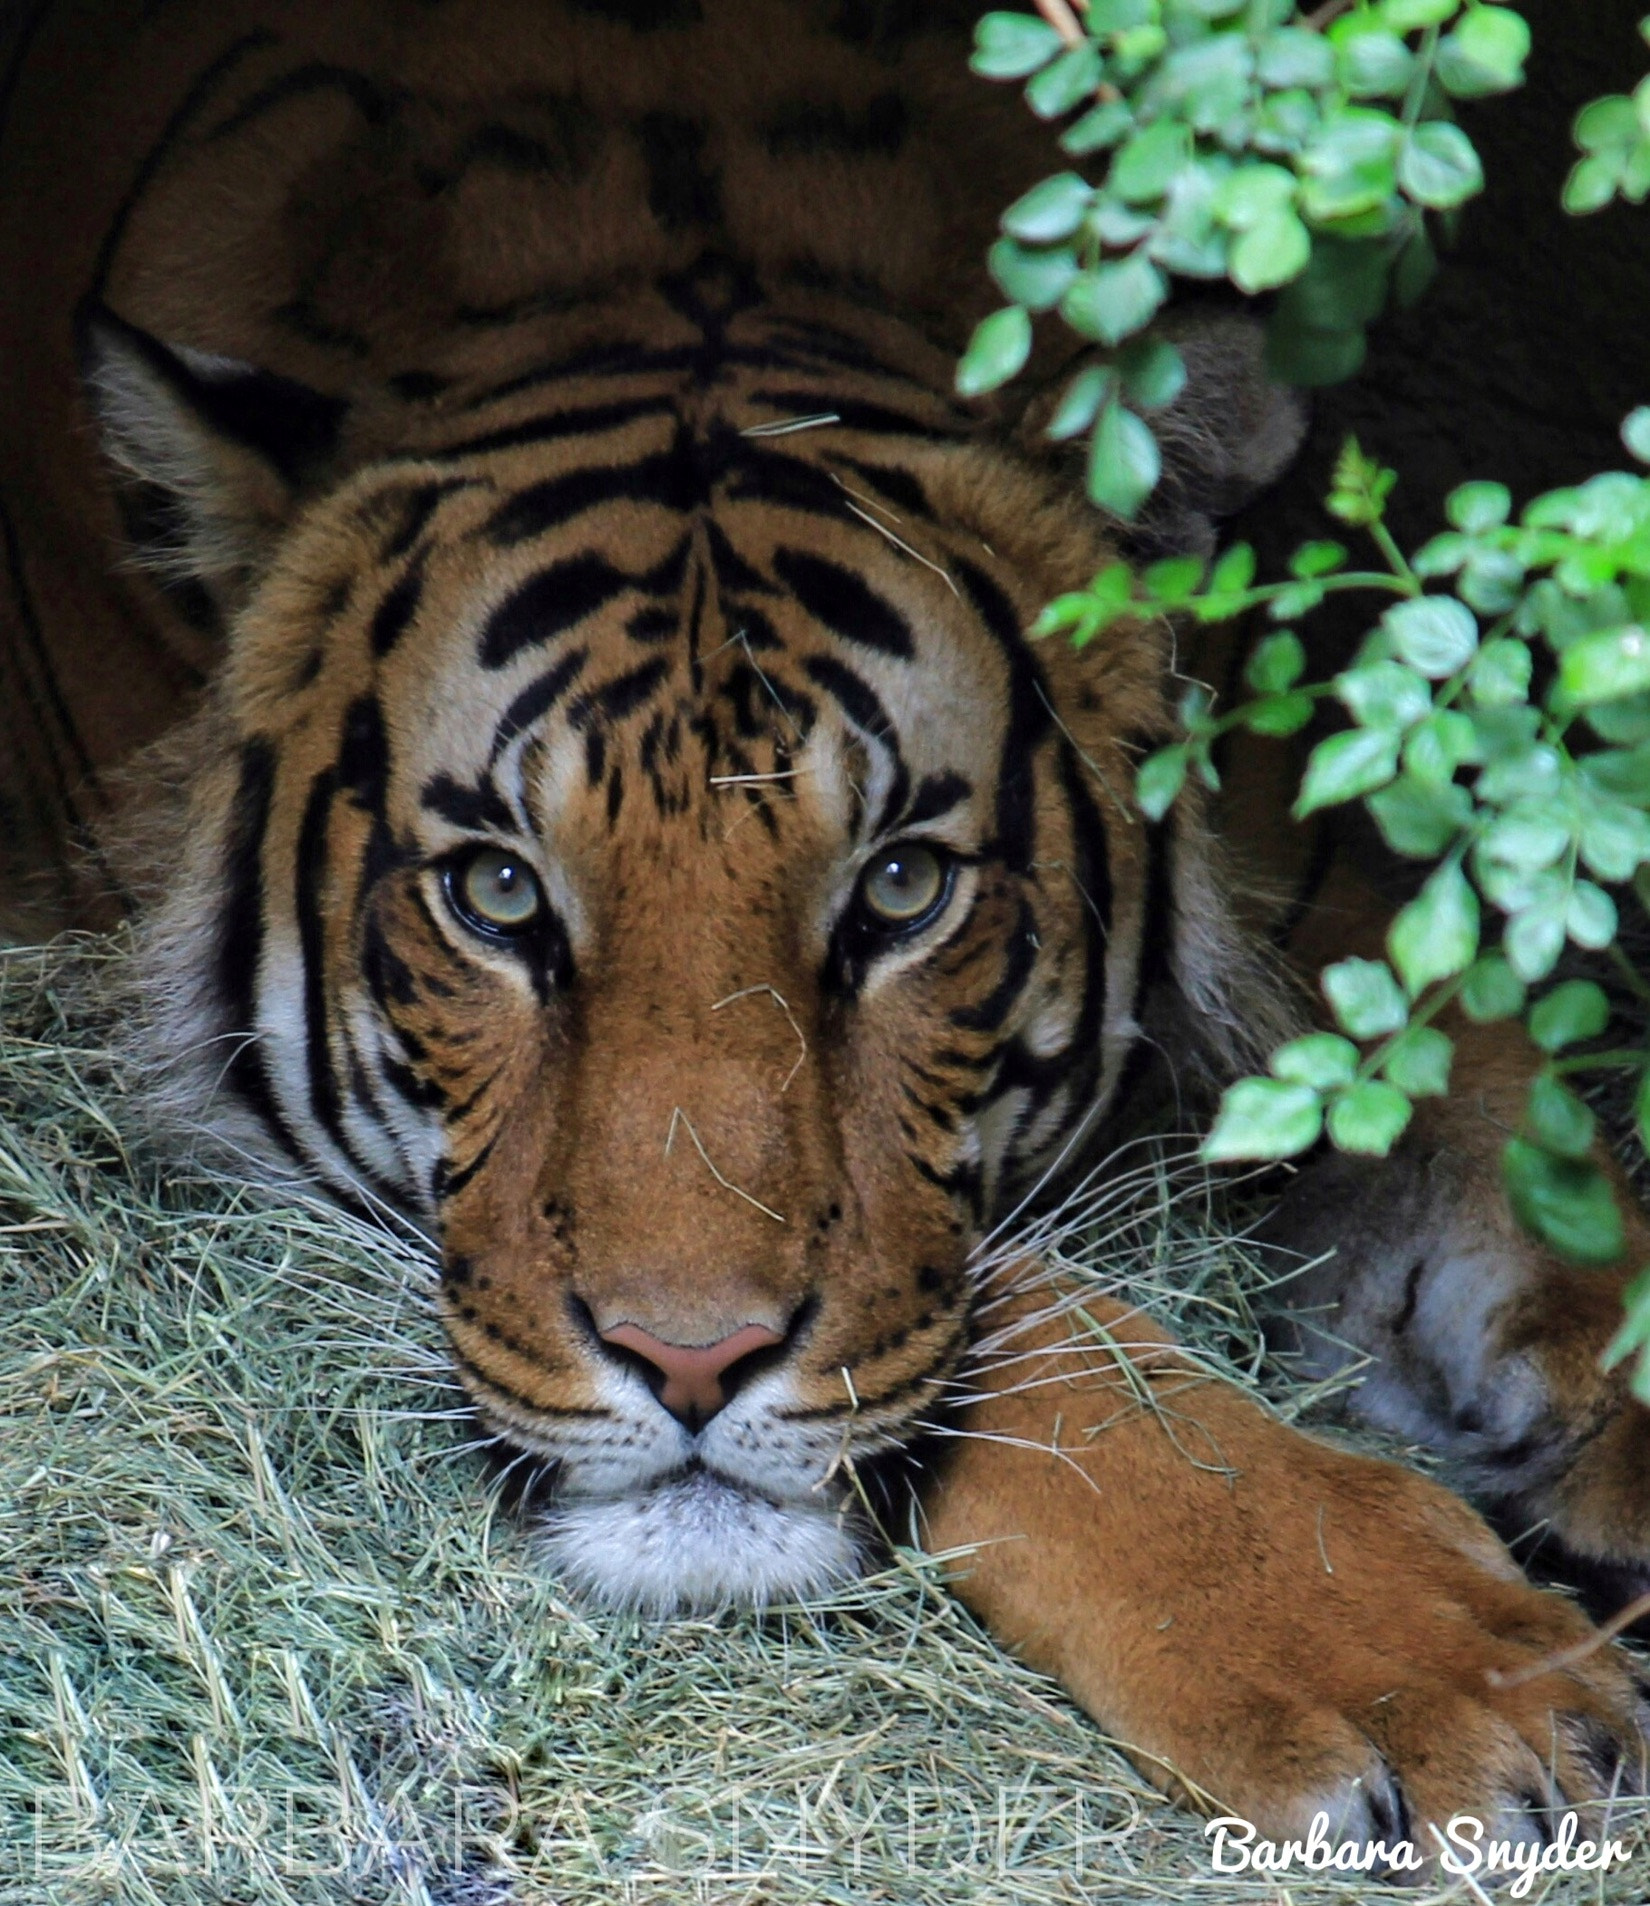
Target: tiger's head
{"x":632,"y":833}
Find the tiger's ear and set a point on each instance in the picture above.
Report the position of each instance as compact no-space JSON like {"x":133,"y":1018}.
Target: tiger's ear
{"x":1229,"y":433}
{"x":211,"y":453}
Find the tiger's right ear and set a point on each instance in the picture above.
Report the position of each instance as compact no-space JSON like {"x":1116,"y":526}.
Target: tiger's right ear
{"x":211,"y":453}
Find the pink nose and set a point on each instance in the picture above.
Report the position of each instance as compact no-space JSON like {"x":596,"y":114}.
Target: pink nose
{"x":692,"y":1371}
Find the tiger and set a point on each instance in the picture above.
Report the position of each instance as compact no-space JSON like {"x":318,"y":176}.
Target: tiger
{"x":502,"y":591}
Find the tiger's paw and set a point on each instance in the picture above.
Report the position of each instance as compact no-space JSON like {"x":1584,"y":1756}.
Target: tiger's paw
{"x":1407,"y":1675}
{"x":1482,"y":1347}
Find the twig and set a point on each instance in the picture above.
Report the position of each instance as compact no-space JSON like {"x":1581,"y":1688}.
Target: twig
{"x":1577,"y":1651}
{"x":779,"y":999}
{"x":784,"y":428}
{"x":727,"y":1184}
{"x":1060,"y":16}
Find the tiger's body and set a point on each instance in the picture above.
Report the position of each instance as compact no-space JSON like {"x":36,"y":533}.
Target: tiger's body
{"x":604,"y":804}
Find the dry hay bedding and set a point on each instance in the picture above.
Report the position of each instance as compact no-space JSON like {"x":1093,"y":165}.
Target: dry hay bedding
{"x":266,"y":1634}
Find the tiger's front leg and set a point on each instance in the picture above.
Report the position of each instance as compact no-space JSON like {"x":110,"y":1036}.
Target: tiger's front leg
{"x":1275,"y":1627}
{"x":1482,"y":1344}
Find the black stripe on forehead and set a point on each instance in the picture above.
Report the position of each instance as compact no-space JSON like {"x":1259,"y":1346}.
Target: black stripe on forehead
{"x":536,"y":700}
{"x":843,"y":603}
{"x":549,"y":604}
{"x":855,"y":696}
{"x":1029,"y":719}
{"x":587,"y":420}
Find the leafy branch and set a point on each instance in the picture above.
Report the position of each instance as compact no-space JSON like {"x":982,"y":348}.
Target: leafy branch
{"x":1499,"y":727}
{"x":1244,"y":140}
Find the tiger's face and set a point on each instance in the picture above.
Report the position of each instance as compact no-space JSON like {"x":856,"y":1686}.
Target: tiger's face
{"x":642,"y":843}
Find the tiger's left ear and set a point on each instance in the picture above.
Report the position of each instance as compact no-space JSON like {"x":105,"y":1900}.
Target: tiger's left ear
{"x":211,"y":453}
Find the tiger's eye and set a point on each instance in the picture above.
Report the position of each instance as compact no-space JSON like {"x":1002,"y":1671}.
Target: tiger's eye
{"x":496,"y":891}
{"x":903,"y":885}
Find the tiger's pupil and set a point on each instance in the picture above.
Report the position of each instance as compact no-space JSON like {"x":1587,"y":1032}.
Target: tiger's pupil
{"x":904,"y":885}
{"x":496,"y":890}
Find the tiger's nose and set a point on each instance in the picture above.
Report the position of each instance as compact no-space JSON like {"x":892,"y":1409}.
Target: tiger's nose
{"x":693,"y":1389}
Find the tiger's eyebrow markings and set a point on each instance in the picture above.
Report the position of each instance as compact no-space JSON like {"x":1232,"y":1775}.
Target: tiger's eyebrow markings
{"x":844,"y":603}
{"x":470,"y":807}
{"x":585,"y":420}
{"x":535,"y":701}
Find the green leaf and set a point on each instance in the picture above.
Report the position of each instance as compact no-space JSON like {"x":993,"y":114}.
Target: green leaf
{"x":1533,"y":939}
{"x":1615,"y":838}
{"x":1445,"y":741}
{"x":1146,"y":163}
{"x":1421,"y":818}
{"x":1269,"y":253}
{"x":1438,"y":167}
{"x":1067,"y":82}
{"x":1566,"y":1202}
{"x":1373,"y":64}
{"x":1124,"y":463}
{"x":1370,"y":1118}
{"x":1233,"y":572}
{"x":1293,"y":56}
{"x":1011,"y":45}
{"x":1278,"y":715}
{"x":1491,"y":990}
{"x":1575,"y":1010}
{"x":1590,"y":918}
{"x":1049,"y":211}
{"x":1253,"y":193}
{"x":1501,"y":673}
{"x":1080,"y":405}
{"x":1606,"y":665}
{"x":1557,"y":1120}
{"x":1419,"y":1062}
{"x":1351,"y":166}
{"x":1264,"y":1118}
{"x":1527,"y":837}
{"x":1345,"y":766}
{"x":1317,"y":559}
{"x":1435,"y":634}
{"x":1608,"y":124}
{"x":1436,"y":935}
{"x":1366,"y":1000}
{"x":1276,"y":664}
{"x":1112,"y":300}
{"x":1153,"y":372}
{"x":1035,"y":279}
{"x":1491,"y":581}
{"x":1409,"y":16}
{"x":1475,"y":507}
{"x":1295,"y":599}
{"x":1101,"y":126}
{"x":1321,"y":1059}
{"x":1591,"y":185}
{"x":1172,"y":581}
{"x":996,"y":352}
{"x":1485,"y":53}
{"x":1161,"y":777}
{"x":1635,"y":432}
{"x":1308,"y":356}
{"x":1384,"y":695}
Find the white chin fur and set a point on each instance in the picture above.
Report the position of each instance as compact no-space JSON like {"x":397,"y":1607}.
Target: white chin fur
{"x":696,"y":1543}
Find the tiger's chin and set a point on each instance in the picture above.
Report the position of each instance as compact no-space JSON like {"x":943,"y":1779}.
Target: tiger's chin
{"x":698,"y":1541}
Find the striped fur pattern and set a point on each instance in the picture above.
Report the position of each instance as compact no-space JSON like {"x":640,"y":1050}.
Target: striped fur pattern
{"x":698,"y":660}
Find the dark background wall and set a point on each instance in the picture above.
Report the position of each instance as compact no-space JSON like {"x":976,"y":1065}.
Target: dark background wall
{"x":1534,"y":339}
